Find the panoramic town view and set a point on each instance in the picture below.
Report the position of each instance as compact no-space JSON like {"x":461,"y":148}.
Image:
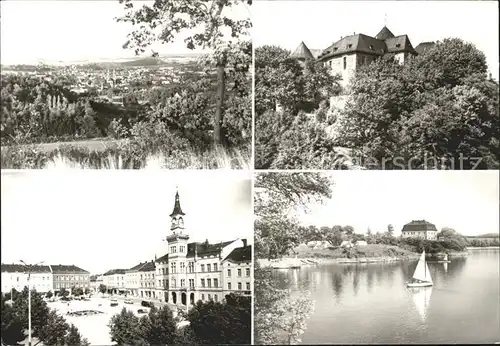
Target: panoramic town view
{"x":171,"y":89}
{"x":174,"y":269}
{"x":371,"y":85}
{"x":374,"y":257}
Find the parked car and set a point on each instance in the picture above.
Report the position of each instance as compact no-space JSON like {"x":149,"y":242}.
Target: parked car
{"x":128,"y":301}
{"x":142,"y":311}
{"x":114,"y":302}
{"x":147,"y":304}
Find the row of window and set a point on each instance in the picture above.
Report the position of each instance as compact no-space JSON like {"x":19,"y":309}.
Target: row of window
{"x":239,"y":286}
{"x":68,"y":285}
{"x":173,"y":249}
{"x":247,"y":272}
{"x":209,"y":297}
{"x":70,"y":277}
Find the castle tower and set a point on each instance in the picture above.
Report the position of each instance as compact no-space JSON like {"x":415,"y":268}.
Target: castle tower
{"x":302,"y":53}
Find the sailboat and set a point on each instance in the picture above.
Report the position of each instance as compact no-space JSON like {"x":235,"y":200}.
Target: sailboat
{"x":444,"y":260}
{"x":422,"y":275}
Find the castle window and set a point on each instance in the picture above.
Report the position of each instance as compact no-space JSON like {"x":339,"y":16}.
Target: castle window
{"x":248,"y":286}
{"x":371,"y":47}
{"x":398,"y":45}
{"x":345,"y":63}
{"x":202,"y":282}
{"x":229,"y":286}
{"x":208,"y":268}
{"x":229,"y":272}
{"x":349,"y":46}
{"x":216,"y":283}
{"x":209,"y":282}
{"x":202,"y":268}
{"x":239,"y":285}
{"x":239,"y":272}
{"x":247,"y":272}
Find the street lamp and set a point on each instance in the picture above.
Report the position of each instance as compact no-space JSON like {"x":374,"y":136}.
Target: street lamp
{"x":29,"y":267}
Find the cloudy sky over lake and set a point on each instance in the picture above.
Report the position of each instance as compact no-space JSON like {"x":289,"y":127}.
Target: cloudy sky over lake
{"x":101,"y":220}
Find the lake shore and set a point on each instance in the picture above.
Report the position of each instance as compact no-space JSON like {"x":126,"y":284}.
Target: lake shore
{"x":482,"y":247}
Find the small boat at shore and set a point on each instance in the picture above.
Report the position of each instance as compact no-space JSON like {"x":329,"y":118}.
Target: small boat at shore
{"x":444,"y":260}
{"x":422,"y":275}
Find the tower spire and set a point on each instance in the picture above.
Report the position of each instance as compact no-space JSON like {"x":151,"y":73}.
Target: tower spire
{"x":385,"y":19}
{"x":177,"y":205}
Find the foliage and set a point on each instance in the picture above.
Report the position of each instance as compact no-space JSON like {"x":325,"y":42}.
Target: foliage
{"x":63,"y":292}
{"x":288,"y":138}
{"x":124,"y":328}
{"x":102,"y":288}
{"x":49,"y":294}
{"x":47,"y":325}
{"x":278,"y":318}
{"x":12,"y":327}
{"x":159,"y":327}
{"x":162,"y":21}
{"x":228,"y":322}
{"x":437,"y":110}
{"x":275,"y":195}
{"x":77,"y":291}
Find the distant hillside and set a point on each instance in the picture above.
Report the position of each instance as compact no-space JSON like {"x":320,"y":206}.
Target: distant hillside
{"x":487,"y":235}
{"x":144,"y":62}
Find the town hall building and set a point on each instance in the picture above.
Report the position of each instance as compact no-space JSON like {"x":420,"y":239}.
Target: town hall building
{"x":192,"y":271}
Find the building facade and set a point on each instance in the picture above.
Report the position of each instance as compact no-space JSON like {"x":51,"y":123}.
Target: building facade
{"x":419,"y":229}
{"x":114,"y":280}
{"x":95,"y":282}
{"x":147,"y":280}
{"x":346,"y":55}
{"x":70,"y":276}
{"x":14,"y":276}
{"x":189,"y":272}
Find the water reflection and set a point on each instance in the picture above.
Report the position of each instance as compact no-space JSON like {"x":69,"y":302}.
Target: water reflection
{"x":421,"y":297}
{"x":373,"y":298}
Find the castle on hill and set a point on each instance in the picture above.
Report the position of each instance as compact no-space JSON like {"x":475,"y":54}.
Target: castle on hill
{"x":350,"y":52}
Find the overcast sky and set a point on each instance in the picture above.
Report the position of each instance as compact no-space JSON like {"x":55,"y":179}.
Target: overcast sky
{"x":464,"y":200}
{"x":320,"y":23}
{"x":63,"y":30}
{"x":100,"y":220}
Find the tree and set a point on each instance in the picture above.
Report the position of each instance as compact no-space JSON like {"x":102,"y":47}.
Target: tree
{"x":74,"y":338}
{"x":159,"y":328}
{"x":165,"y":19}
{"x":63,"y":292}
{"x":348,"y":230}
{"x":49,"y":294}
{"x":39,"y":310}
{"x":124,"y":328}
{"x":434,"y":111}
{"x":77,"y":291}
{"x":12,"y":327}
{"x":279,"y":318}
{"x":222,"y":323}
{"x":276,"y":194}
{"x":54,"y":330}
{"x":102,"y":288}
{"x":334,"y":236}
{"x":390,"y":230}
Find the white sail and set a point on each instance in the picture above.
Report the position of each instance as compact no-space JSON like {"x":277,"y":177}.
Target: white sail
{"x":446,"y":257}
{"x":422,"y":271}
{"x":445,"y":267}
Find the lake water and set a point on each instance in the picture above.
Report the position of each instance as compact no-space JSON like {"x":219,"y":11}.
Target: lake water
{"x":369,"y":303}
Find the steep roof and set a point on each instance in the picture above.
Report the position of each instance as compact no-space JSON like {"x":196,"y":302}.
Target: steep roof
{"x":67,"y":269}
{"x":19,"y":268}
{"x":384,"y":34}
{"x":399,"y":44}
{"x":316,"y":52}
{"x":422,"y":47}
{"x":177,"y":206}
{"x":136,"y":267}
{"x":302,"y":52}
{"x":355,"y":43}
{"x":419,"y":226}
{"x":147,"y":267}
{"x":162,"y":259}
{"x":114,"y":271}
{"x":241,"y":254}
